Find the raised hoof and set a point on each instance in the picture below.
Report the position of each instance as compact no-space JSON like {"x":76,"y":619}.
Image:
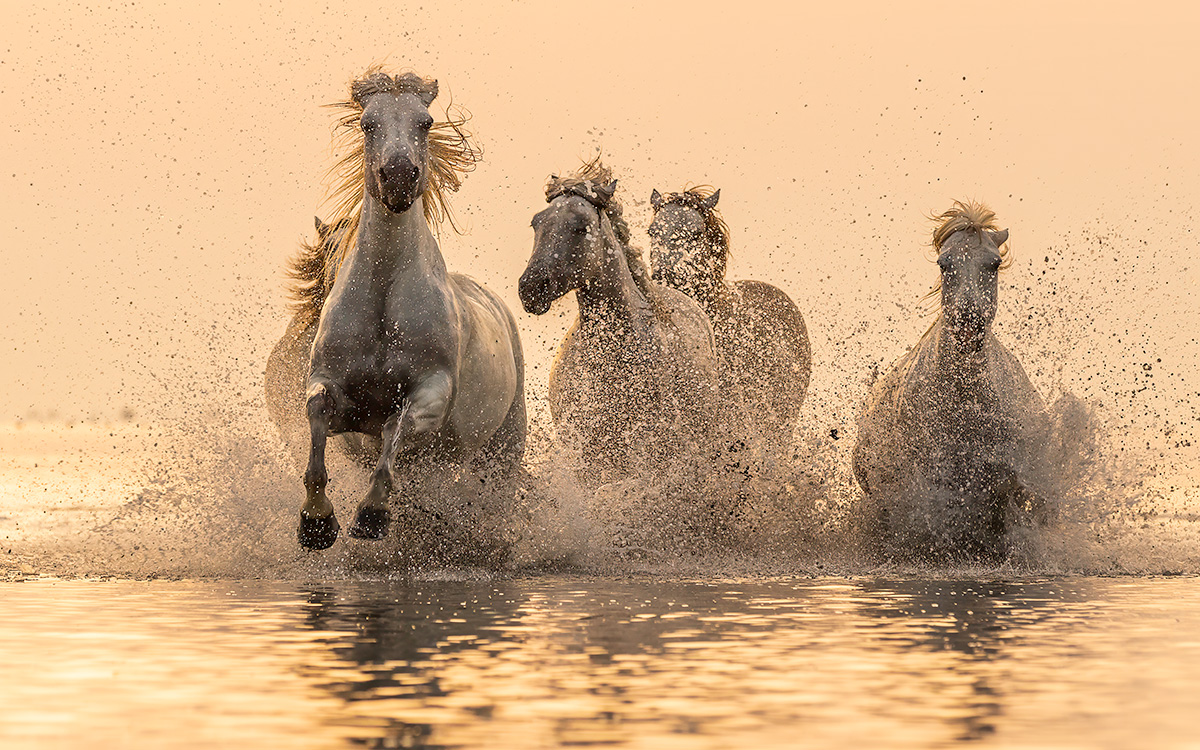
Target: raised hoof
{"x":317,"y":533}
{"x":370,"y":523}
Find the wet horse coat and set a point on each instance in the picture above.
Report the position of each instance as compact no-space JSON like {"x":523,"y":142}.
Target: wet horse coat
{"x":635,"y":378}
{"x":951,"y":445}
{"x":760,"y":335}
{"x":426,"y":360}
{"x":286,"y":377}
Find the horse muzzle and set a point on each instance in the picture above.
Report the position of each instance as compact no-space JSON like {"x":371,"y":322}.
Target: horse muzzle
{"x":399,"y":184}
{"x":535,"y":293}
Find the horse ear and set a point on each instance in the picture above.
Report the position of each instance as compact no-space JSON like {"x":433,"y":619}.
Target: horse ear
{"x":710,"y":202}
{"x":322,"y":228}
{"x":656,"y":199}
{"x":1000,"y":237}
{"x":428,"y":92}
{"x":606,"y":192}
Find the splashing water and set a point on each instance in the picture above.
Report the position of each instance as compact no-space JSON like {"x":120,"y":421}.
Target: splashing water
{"x":205,"y":487}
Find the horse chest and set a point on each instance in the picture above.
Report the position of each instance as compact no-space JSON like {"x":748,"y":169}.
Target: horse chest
{"x":377,"y":359}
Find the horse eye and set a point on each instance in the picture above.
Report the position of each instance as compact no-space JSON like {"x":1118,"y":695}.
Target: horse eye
{"x":366,"y":126}
{"x":427,"y":123}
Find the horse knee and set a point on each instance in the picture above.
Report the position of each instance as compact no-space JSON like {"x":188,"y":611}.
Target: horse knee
{"x":320,"y":403}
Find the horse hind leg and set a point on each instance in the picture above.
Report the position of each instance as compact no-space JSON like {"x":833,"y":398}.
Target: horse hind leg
{"x":318,"y":525}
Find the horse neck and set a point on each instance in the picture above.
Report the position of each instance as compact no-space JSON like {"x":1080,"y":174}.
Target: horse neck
{"x":391,"y":245}
{"x":612,"y":302}
{"x":710,"y":290}
{"x":955,"y":363}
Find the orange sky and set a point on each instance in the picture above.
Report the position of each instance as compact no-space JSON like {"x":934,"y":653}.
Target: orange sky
{"x":162,"y":163}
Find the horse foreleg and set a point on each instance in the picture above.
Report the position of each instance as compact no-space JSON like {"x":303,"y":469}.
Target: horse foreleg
{"x":318,"y":525}
{"x":422,"y":416}
{"x":371,"y":520}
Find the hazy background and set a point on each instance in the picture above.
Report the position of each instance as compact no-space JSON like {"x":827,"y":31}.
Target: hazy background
{"x":162,"y":162}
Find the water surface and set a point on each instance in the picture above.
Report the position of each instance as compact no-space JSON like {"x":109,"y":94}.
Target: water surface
{"x":591,"y":661}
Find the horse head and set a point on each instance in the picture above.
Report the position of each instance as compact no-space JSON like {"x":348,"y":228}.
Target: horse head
{"x":970,"y":262}
{"x":395,"y":123}
{"x":569,"y":236}
{"x":688,"y":243}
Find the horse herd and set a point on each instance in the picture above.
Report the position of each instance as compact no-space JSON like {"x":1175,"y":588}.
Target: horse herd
{"x":418,"y":370}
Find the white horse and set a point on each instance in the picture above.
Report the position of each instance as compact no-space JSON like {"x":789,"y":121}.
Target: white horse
{"x":760,"y":334}
{"x":635,"y":379}
{"x":950,"y":446}
{"x":427,"y":361}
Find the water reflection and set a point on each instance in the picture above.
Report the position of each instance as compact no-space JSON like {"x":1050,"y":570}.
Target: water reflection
{"x":971,"y":630}
{"x":397,"y":638}
{"x":625,"y":662}
{"x":582,"y":661}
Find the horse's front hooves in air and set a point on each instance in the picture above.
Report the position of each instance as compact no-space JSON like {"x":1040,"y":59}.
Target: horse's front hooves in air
{"x":371,"y":523}
{"x":317,"y":533}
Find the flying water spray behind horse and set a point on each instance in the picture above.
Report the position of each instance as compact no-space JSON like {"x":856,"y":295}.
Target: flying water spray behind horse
{"x":425,"y":361}
{"x":956,"y":450}
{"x":761,"y":339}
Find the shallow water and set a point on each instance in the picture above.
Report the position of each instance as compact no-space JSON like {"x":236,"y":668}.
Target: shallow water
{"x":584,"y":661}
{"x":154,"y":596}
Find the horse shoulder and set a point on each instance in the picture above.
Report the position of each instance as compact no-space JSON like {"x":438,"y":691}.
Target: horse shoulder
{"x":1020,"y":396}
{"x":570,"y":380}
{"x":896,"y":403}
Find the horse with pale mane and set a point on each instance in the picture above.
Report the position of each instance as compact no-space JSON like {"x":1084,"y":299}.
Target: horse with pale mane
{"x":635,"y":378}
{"x":761,"y":339}
{"x":953,"y":444}
{"x":424,"y":362}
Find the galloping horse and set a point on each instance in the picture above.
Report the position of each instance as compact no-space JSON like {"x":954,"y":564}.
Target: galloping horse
{"x":426,"y":360}
{"x":950,"y":445}
{"x":635,"y":377}
{"x":760,"y":335}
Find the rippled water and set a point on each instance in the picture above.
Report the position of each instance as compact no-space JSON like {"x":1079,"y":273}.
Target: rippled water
{"x":583,"y":661}
{"x":153,"y":596}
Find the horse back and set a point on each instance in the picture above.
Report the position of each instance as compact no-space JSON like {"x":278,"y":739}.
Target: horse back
{"x":764,"y":305}
{"x":763,"y":341}
{"x":286,"y":380}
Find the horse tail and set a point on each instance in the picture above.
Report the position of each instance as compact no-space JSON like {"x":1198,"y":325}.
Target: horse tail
{"x":308,"y":270}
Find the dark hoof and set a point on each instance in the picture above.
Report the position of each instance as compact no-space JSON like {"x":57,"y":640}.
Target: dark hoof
{"x":371,"y":523}
{"x":317,"y":533}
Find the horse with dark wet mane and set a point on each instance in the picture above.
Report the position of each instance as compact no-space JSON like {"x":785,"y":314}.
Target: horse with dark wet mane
{"x":635,"y":379}
{"x":952,"y":443}
{"x":426,"y":362}
{"x":760,"y":334}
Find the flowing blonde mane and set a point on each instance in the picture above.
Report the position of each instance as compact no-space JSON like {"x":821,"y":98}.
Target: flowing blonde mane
{"x":583,"y":182}
{"x":716,"y":231}
{"x":963,"y":215}
{"x":452,"y":155}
